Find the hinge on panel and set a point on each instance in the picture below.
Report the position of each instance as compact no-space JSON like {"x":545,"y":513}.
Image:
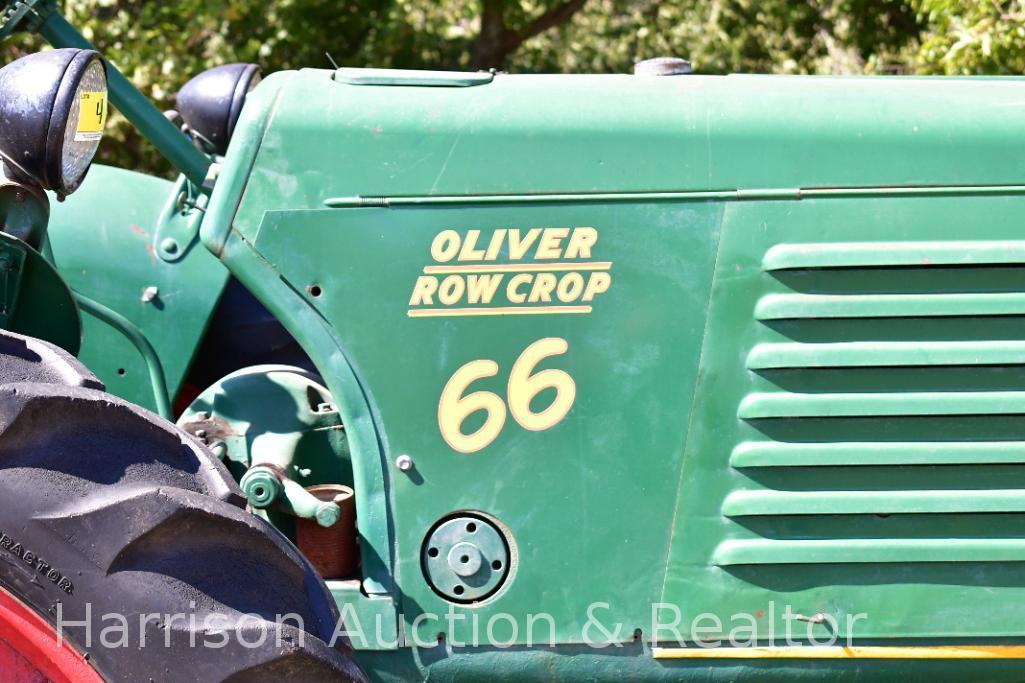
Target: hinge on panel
{"x":177,"y":227}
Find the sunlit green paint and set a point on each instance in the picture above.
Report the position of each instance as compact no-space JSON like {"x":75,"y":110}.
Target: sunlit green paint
{"x":804,"y":387}
{"x":715,"y":200}
{"x":161,"y":399}
{"x":103,"y":244}
{"x":34,"y":299}
{"x":811,"y":477}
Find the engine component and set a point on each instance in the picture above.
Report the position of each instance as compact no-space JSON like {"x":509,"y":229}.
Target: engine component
{"x":276,"y":415}
{"x":266,"y":485}
{"x":279,"y":432}
{"x":332,"y":550}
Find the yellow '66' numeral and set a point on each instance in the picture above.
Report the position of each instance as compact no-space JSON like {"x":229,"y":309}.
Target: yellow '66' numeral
{"x":454,"y":407}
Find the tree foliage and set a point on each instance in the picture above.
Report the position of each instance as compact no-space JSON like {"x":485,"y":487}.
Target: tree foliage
{"x":722,"y":36}
{"x":159,"y":45}
{"x":971,"y":38}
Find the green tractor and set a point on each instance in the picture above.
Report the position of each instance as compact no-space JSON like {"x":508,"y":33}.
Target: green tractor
{"x":473,"y":376}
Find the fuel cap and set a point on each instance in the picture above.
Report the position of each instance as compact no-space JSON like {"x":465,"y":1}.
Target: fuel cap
{"x":663,"y":66}
{"x":465,"y":558}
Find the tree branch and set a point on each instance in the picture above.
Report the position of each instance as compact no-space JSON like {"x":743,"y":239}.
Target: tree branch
{"x":496,"y":41}
{"x":555,"y":16}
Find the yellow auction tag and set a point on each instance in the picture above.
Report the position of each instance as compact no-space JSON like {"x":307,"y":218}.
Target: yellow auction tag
{"x":91,"y":116}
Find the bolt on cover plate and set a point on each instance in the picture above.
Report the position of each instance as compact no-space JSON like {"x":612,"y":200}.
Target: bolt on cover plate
{"x":465,"y":558}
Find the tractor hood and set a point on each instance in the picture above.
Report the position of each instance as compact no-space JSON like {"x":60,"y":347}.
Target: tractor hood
{"x":658,"y":255}
{"x":311,"y":135}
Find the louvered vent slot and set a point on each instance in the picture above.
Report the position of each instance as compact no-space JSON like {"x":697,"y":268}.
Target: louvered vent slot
{"x":888,"y":407}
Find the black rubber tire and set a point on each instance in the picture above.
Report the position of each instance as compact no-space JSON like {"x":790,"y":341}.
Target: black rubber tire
{"x":107,"y":509}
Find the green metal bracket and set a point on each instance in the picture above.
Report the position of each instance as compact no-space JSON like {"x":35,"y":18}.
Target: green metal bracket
{"x":373,"y":618}
{"x":177,"y":228}
{"x":25,"y":15}
{"x":40,"y":304}
{"x":24,"y":212}
{"x":12,"y":263}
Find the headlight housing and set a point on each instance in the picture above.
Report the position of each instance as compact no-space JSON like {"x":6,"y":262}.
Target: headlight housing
{"x":212,"y":101}
{"x":53,"y":106}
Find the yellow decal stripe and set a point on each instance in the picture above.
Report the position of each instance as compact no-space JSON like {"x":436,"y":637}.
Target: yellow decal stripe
{"x":865,"y":652}
{"x":517,"y":268}
{"x":504,"y":310}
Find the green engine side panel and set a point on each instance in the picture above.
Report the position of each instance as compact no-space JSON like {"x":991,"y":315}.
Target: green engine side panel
{"x":858,"y":439}
{"x":593,"y":501}
{"x":588,"y":501}
{"x":103,"y":244}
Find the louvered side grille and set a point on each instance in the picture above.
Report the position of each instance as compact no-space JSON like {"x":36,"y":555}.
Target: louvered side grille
{"x":890,"y":385}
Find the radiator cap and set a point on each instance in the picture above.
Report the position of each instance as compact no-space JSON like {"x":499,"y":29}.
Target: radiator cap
{"x":663,"y":66}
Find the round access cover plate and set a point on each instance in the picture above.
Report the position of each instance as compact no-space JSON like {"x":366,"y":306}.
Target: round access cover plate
{"x":465,"y":558}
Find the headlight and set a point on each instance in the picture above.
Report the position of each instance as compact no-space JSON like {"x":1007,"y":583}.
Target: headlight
{"x":53,"y":106}
{"x":212,"y":101}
